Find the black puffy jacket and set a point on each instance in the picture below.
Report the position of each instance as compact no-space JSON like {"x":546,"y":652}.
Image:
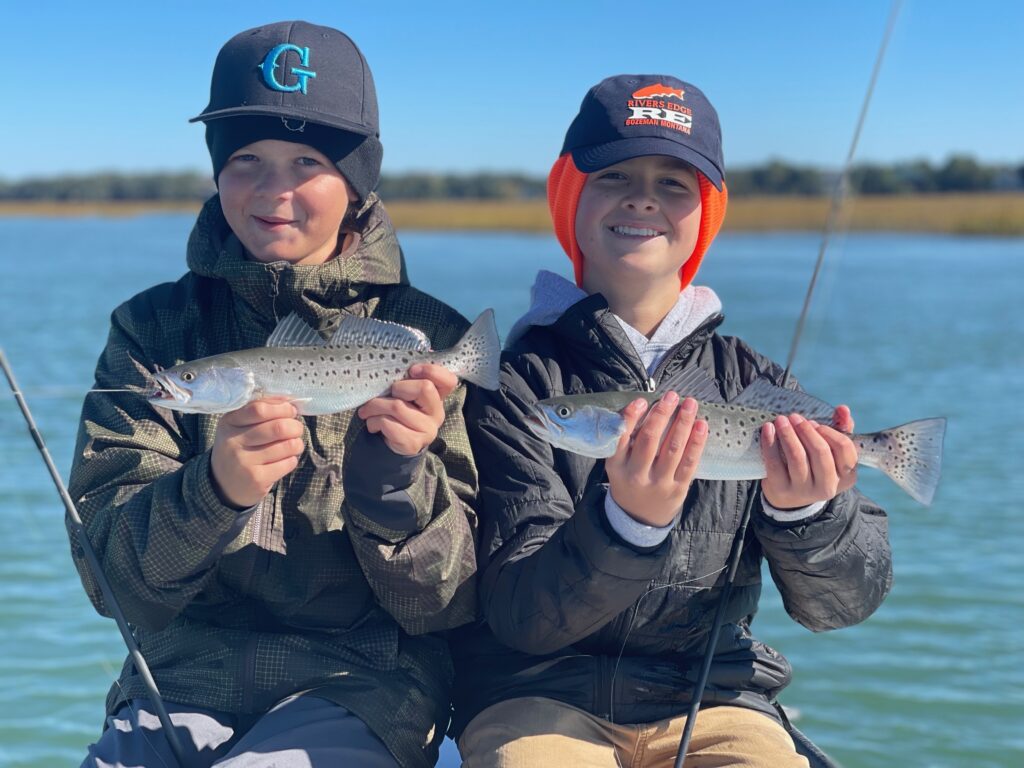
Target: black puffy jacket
{"x":573,"y":612}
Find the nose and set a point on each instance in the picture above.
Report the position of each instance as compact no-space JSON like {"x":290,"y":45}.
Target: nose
{"x":640,"y":197}
{"x":273,"y":181}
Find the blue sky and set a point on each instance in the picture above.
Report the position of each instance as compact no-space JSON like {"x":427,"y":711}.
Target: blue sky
{"x":474,"y":86}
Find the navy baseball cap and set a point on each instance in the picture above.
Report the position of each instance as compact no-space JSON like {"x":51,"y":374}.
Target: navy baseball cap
{"x":629,"y":116}
{"x":297,"y":71}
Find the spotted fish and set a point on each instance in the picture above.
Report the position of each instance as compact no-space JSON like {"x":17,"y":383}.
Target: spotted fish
{"x":360,"y":361}
{"x":591,"y":425}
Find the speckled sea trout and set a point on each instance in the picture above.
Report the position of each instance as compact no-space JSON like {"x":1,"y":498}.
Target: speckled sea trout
{"x":362,"y":359}
{"x":591,"y":425}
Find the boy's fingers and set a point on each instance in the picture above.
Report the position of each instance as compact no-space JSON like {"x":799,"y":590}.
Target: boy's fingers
{"x":260,"y":411}
{"x":770,"y":451}
{"x":631,"y":415}
{"x":402,"y":413}
{"x":444,"y":380}
{"x":266,"y":432}
{"x":823,"y":473}
{"x":844,"y":453}
{"x":677,"y":437}
{"x":691,"y":454}
{"x":648,"y":436}
{"x":423,"y":393}
{"x":842,"y":419}
{"x":792,"y":450}
{"x":270,"y":454}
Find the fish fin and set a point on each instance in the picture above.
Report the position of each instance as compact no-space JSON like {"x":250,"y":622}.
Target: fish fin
{"x":911,"y":455}
{"x":293,"y":331}
{"x":369,"y":332}
{"x":692,"y":382}
{"x":767,"y":396}
{"x":477,"y":355}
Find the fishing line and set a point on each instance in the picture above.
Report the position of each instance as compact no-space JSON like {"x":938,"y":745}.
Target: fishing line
{"x":632,"y":621}
{"x":95,"y":569}
{"x":842,"y":187}
{"x":734,"y":557}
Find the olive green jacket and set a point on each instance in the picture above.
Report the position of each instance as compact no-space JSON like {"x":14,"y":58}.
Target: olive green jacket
{"x":338,"y":581}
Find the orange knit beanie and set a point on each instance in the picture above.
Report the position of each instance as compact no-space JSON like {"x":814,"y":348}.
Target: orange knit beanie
{"x":565,"y":183}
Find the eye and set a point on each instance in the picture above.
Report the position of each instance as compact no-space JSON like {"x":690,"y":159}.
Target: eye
{"x":563,"y":411}
{"x":677,"y":185}
{"x":612,"y":176}
{"x":188,"y":376}
{"x":243,"y":157}
{"x":309,"y":162}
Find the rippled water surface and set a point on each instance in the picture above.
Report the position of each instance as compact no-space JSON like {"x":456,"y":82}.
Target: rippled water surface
{"x":903,"y":327}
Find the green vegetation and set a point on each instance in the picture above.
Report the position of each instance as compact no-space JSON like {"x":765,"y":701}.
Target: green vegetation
{"x":973,"y":214}
{"x":960,"y":196}
{"x":959,"y":173}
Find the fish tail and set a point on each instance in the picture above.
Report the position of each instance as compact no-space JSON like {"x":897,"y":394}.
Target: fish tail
{"x":910,"y":454}
{"x":477,"y":356}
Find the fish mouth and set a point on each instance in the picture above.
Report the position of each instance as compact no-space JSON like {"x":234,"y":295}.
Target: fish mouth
{"x":166,"y":390}
{"x":543,"y":428}
{"x":536,"y":425}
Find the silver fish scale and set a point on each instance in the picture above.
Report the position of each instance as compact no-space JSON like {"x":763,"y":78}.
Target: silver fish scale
{"x":733,"y":449}
{"x":328,"y":379}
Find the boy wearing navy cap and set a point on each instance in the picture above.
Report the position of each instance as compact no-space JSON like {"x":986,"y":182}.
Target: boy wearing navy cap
{"x":286,"y":577}
{"x":599,"y":582}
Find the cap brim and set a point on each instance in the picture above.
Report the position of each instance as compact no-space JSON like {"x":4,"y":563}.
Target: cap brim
{"x":289,"y":113}
{"x":598,"y":156}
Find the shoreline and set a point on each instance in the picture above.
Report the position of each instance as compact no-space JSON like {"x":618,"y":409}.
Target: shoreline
{"x":961,"y":214}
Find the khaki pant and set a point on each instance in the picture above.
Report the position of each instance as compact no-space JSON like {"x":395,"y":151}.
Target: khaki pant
{"x":533,"y":732}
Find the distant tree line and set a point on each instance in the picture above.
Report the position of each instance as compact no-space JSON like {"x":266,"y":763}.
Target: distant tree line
{"x":960,"y":173}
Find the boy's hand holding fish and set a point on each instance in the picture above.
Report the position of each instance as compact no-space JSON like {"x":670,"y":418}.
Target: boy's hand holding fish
{"x":254,"y":447}
{"x":650,"y":472}
{"x":410,"y":416}
{"x":807,"y":462}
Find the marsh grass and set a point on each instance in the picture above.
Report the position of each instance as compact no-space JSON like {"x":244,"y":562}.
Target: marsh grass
{"x":974,"y":214}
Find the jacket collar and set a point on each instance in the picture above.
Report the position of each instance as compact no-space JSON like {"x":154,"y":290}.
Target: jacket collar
{"x":556,"y":301}
{"x":373,"y":258}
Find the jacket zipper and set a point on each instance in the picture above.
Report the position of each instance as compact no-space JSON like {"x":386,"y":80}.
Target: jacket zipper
{"x":249,"y":673}
{"x":633,"y":362}
{"x":603,"y":694}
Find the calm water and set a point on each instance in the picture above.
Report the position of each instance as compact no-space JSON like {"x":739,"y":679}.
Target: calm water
{"x":904,"y":327}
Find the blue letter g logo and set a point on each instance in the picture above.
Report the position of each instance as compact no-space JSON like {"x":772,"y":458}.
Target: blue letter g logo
{"x":270,"y":64}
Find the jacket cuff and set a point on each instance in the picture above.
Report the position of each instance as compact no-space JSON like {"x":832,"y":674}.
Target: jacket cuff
{"x":798,"y":515}
{"x":631,"y":530}
{"x":199,"y":492}
{"x":378,"y":485}
{"x":605,"y":549}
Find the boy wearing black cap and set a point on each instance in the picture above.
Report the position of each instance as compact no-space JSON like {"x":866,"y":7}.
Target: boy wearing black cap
{"x":284,"y":575}
{"x":599,"y":582}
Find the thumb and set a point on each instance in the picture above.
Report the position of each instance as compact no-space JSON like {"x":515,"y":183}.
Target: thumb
{"x":631,"y":416}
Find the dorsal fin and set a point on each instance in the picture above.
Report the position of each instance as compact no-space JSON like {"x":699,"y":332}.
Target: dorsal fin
{"x":293,"y":331}
{"x":368,"y":332}
{"x":692,"y":382}
{"x":766,"y":396}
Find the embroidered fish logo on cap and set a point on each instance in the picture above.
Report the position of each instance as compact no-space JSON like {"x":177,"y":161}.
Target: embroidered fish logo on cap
{"x":658,"y":91}
{"x":655,"y":105}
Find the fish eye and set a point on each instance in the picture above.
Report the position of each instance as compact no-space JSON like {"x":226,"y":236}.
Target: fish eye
{"x":563,"y":411}
{"x":188,"y":376}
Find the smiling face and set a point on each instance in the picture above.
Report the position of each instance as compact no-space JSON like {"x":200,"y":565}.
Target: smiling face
{"x":637,"y":224}
{"x":284,"y":201}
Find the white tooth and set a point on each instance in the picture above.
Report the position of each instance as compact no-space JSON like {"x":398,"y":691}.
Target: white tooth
{"x":636,"y":232}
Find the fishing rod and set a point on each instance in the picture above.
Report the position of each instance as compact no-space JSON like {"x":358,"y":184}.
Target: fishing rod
{"x":96,"y":570}
{"x":838,"y":195}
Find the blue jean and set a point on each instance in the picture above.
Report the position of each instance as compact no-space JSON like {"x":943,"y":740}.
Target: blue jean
{"x":300,"y":732}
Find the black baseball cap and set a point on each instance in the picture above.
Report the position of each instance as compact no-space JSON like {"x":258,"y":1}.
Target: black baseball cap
{"x":629,"y":116}
{"x":297,"y":71}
